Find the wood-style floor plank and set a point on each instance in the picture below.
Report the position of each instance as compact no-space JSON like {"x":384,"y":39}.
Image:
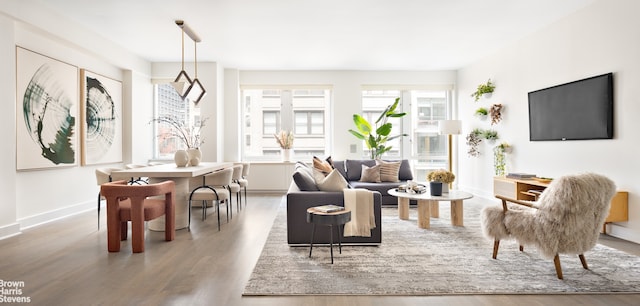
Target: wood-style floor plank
{"x":66,"y":263}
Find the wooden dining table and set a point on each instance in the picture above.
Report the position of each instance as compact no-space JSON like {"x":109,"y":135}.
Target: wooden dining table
{"x":181,"y":177}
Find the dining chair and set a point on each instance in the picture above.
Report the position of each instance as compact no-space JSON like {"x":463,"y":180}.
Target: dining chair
{"x":137,"y":180}
{"x":244,"y":181}
{"x":136,"y":203}
{"x":212,"y":187}
{"x":234,"y":187}
{"x":103,"y":175}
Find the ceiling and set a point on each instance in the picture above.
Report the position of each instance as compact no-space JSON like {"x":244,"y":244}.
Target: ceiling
{"x":317,"y":35}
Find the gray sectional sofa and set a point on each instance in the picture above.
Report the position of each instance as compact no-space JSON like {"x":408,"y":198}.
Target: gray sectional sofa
{"x":303,"y":193}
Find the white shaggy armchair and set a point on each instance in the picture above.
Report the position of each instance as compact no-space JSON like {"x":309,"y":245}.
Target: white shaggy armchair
{"x":566,"y":218}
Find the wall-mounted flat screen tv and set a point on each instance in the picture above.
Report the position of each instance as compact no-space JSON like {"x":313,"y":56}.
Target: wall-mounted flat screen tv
{"x":578,"y":110}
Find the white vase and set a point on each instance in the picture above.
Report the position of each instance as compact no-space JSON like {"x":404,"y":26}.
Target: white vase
{"x":445,"y":188}
{"x":181,"y":157}
{"x":286,"y":155}
{"x":195,"y":155}
{"x":487,"y":95}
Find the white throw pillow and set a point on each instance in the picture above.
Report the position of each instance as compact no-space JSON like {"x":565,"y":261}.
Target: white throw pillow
{"x":334,"y":181}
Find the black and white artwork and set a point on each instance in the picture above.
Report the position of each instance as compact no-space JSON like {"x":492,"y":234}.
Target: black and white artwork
{"x":47,"y":110}
{"x":101,"y":119}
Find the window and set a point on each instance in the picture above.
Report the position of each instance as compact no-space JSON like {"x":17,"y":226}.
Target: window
{"x":170,"y":105}
{"x":429,"y":149}
{"x":303,"y":111}
{"x":309,"y":123}
{"x":374,"y":103}
{"x":425,"y":147}
{"x":270,"y":122}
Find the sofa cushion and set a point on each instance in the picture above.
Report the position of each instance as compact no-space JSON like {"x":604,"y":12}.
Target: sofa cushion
{"x":303,"y":177}
{"x":405,"y":173}
{"x":353,"y":168}
{"x":370,"y":174}
{"x":332,"y":182}
{"x":339,"y":165}
{"x":321,"y":165}
{"x":389,"y":170}
{"x":304,"y":181}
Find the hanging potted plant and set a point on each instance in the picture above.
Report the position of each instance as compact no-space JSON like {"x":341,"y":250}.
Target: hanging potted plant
{"x":482,"y":113}
{"x":484,"y":90}
{"x":376,"y":139}
{"x":473,"y":141}
{"x":496,"y":113}
{"x":490,"y":135}
{"x":499,"y":158}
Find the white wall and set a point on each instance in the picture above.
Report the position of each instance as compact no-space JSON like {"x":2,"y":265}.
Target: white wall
{"x":33,"y":197}
{"x":598,"y":39}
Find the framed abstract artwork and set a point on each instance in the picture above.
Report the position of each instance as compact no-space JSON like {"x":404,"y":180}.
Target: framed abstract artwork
{"x":101,"y":119}
{"x":47,"y":111}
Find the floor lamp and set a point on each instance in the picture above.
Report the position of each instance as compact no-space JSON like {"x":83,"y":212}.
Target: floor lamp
{"x":450,"y":127}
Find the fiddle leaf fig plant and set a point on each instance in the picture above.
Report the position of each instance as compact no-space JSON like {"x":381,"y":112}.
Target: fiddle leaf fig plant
{"x":376,"y":139}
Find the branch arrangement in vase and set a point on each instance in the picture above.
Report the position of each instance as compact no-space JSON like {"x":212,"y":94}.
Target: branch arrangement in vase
{"x":188,"y":135}
{"x":284,"y":139}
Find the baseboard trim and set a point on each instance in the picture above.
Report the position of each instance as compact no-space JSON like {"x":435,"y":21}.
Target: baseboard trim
{"x":46,"y":217}
{"x":10,"y":230}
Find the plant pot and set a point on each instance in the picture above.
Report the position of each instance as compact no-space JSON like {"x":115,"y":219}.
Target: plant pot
{"x":195,"y":155}
{"x":487,"y":95}
{"x":435,"y":188}
{"x":181,"y":158}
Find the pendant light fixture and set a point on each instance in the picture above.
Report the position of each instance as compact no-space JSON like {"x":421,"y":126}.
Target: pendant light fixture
{"x":187,"y":88}
{"x":182,"y":84}
{"x":196,"y":91}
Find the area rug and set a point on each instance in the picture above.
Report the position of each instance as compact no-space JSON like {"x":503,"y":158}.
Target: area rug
{"x":442,"y":260}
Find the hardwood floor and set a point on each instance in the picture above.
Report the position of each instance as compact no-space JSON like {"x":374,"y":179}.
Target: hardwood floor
{"x":66,"y":263}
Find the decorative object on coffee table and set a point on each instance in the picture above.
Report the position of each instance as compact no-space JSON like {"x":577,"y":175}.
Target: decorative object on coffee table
{"x":337,"y":218}
{"x":442,"y":176}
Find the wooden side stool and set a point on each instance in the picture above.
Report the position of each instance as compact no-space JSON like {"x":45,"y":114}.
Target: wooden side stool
{"x":338,"y":218}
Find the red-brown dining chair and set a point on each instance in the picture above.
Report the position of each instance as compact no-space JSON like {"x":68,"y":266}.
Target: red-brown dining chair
{"x":132,"y":203}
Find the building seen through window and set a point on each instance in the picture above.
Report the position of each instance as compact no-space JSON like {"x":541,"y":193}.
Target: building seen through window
{"x":305,"y":112}
{"x":170,"y":105}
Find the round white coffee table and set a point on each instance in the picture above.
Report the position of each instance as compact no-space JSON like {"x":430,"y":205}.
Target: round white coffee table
{"x":428,"y":205}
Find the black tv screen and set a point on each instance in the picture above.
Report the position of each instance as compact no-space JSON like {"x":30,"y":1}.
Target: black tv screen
{"x":573,"y":111}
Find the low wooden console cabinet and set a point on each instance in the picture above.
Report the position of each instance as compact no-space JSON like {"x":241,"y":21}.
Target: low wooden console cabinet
{"x":529,"y":189}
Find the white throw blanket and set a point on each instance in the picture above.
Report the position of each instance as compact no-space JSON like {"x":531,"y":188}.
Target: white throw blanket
{"x":360,"y":203}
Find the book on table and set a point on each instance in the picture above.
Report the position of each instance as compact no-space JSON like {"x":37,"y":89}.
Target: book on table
{"x":520,"y":175}
{"x":329,"y":208}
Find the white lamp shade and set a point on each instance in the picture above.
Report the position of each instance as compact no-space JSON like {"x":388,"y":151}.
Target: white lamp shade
{"x":450,"y":127}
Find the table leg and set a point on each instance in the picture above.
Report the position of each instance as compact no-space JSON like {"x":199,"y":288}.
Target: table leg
{"x":313,"y":232}
{"x":339,"y":239}
{"x":403,"y":208}
{"x":182,"y":203}
{"x":456,"y":213}
{"x":424,"y":215}
{"x":435,"y":209}
{"x":331,"y":242}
